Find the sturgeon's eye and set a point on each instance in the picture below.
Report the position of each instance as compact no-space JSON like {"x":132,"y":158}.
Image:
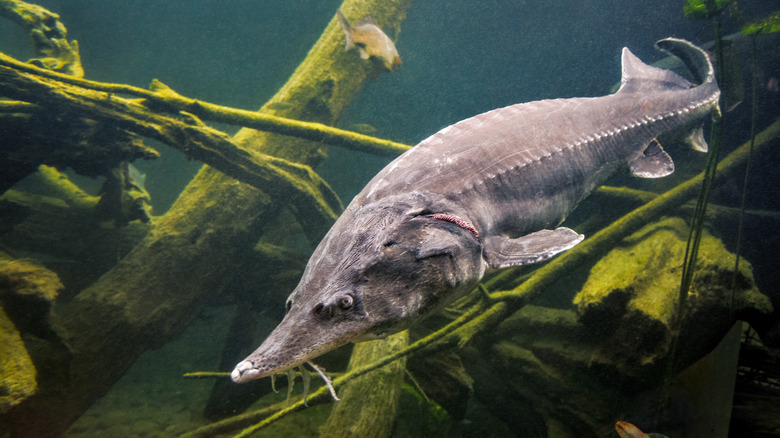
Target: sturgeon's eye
{"x":346,"y":301}
{"x":288,"y":305}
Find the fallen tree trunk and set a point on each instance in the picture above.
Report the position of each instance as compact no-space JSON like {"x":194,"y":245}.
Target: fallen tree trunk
{"x":194,"y":251}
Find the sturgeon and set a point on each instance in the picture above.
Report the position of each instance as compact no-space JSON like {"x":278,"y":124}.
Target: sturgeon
{"x":485,"y":193}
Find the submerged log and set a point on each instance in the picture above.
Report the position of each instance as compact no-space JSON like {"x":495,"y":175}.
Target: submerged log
{"x":281,"y":177}
{"x":48,"y":34}
{"x":618,"y":341}
{"x":197,"y":249}
{"x":27,"y":293}
{"x":61,"y":230}
{"x":17,"y":373}
{"x":631,"y":298}
{"x":35,"y":135}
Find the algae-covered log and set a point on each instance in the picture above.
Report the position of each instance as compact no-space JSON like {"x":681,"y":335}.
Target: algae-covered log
{"x":630,"y":298}
{"x":33,"y":134}
{"x":618,"y":341}
{"x":27,"y":293}
{"x":17,"y":373}
{"x":280,"y":177}
{"x":162,"y":98}
{"x":48,"y":34}
{"x":59,"y":227}
{"x":196,"y":249}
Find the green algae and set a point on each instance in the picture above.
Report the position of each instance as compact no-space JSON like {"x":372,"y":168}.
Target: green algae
{"x":769,"y":24}
{"x":17,"y":372}
{"x":631,"y":295}
{"x":704,"y":8}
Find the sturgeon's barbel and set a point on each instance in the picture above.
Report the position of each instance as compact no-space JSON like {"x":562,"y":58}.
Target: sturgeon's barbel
{"x":482,"y":194}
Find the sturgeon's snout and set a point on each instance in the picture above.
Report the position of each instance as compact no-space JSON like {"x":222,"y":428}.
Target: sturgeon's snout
{"x":301,"y":336}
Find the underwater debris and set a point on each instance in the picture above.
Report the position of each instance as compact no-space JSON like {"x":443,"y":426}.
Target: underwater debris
{"x":704,"y":8}
{"x":48,"y":34}
{"x":279,"y":106}
{"x":363,"y":128}
{"x":209,"y":145}
{"x":17,"y":371}
{"x":123,"y":197}
{"x":630,"y":297}
{"x":769,"y":24}
{"x":162,"y":98}
{"x":205,"y":241}
{"x":27,"y":293}
{"x":369,"y":40}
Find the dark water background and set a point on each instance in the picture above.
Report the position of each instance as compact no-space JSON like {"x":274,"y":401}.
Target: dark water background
{"x":460,"y":58}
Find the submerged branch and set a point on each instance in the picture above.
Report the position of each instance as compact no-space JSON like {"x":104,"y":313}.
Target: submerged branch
{"x":163,"y":98}
{"x":192,"y":137}
{"x":48,"y":34}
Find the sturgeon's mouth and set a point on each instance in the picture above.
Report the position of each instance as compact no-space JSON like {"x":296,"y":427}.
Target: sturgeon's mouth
{"x":263,"y":364}
{"x":246,"y":371}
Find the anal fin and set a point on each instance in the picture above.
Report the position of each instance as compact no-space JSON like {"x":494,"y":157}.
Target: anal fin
{"x":654,"y":162}
{"x":502,"y":252}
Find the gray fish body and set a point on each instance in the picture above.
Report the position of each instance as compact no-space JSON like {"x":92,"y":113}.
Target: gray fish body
{"x":484,"y":193}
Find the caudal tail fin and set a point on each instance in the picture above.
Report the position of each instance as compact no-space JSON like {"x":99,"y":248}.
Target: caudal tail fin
{"x":639,"y":77}
{"x":694,"y":58}
{"x":699,"y":64}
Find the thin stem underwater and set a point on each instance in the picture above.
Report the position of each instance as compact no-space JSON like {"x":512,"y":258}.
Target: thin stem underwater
{"x":697,"y":221}
{"x":753,"y":116}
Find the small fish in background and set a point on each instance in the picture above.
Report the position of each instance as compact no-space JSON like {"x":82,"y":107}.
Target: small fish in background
{"x":773,"y":84}
{"x":370,"y":41}
{"x":628,"y":430}
{"x":279,"y":106}
{"x":123,"y":197}
{"x":362,"y":128}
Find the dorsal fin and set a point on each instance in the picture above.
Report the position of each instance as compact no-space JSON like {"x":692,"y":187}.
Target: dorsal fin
{"x":638,"y":76}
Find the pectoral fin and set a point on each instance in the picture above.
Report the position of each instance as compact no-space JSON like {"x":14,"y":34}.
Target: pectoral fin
{"x":654,"y":162}
{"x":502,"y":252}
{"x":696,"y":140}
